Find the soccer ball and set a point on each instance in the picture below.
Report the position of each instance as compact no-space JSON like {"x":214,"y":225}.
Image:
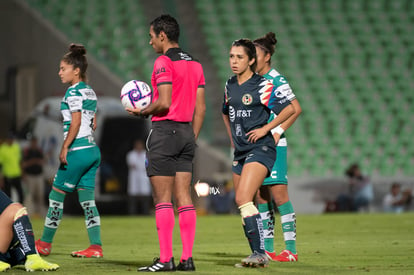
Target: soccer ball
{"x":136,"y":94}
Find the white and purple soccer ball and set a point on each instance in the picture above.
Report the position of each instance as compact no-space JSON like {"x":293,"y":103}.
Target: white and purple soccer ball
{"x":136,"y":94}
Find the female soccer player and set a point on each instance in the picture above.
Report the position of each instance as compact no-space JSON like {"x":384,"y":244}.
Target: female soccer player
{"x":278,"y":180}
{"x":248,"y":101}
{"x":17,"y":244}
{"x":79,"y":156}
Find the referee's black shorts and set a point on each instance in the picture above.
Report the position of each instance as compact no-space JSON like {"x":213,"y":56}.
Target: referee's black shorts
{"x":170,"y":148}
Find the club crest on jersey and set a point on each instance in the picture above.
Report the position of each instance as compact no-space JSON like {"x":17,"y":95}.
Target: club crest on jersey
{"x":247,"y":99}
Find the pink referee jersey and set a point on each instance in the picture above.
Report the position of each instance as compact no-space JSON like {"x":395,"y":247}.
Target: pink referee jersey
{"x":186,"y":75}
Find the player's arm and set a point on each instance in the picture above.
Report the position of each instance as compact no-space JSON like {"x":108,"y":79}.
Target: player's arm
{"x":94,"y":123}
{"x":280,"y":129}
{"x":226,"y":120}
{"x":199,"y":111}
{"x":225,"y":116}
{"x":298,"y":110}
{"x":256,"y":134}
{"x":277,"y":102}
{"x":163,"y":80}
{"x":72,"y":133}
{"x":161,"y":105}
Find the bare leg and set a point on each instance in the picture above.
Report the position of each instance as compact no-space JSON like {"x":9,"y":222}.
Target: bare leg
{"x":6,"y":226}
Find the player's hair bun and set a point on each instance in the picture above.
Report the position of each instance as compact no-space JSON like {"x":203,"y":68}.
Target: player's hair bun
{"x":77,"y":49}
{"x":271,"y":37}
{"x":76,"y":56}
{"x":267,"y":42}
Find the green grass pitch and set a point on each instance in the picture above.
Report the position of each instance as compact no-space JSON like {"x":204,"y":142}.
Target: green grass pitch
{"x":327,"y":244}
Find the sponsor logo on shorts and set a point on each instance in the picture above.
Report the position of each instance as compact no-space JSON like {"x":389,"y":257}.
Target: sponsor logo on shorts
{"x":235,"y":163}
{"x":69,"y":185}
{"x":249,"y":157}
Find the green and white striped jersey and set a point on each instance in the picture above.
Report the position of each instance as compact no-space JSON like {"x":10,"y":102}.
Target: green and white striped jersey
{"x":282,"y":86}
{"x":79,"y":98}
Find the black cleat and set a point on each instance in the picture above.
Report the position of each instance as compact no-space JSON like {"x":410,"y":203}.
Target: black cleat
{"x":186,"y":265}
{"x":158,"y":266}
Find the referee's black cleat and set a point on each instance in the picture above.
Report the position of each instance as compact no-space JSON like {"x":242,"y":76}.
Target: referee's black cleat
{"x":158,"y":266}
{"x":186,"y":265}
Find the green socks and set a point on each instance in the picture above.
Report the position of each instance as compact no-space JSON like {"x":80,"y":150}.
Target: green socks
{"x":92,"y":218}
{"x":54,"y":215}
{"x":55,"y":212}
{"x":288,"y":221}
{"x":268,"y":219}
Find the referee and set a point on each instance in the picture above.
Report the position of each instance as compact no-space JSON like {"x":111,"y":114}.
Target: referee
{"x":178,"y":110}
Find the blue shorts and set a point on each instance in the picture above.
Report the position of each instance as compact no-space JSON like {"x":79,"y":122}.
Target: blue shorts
{"x":263,"y":154}
{"x":279,"y":170}
{"x":5,"y":201}
{"x":80,"y":173}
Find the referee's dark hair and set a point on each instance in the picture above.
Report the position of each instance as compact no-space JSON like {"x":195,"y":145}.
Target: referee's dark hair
{"x":168,"y":25}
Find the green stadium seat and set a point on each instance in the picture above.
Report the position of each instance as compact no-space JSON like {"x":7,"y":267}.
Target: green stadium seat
{"x":349,"y":63}
{"x":331,"y":6}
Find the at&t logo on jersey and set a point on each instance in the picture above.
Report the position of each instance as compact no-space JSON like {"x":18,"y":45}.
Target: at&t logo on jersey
{"x":244,"y":113}
{"x":239,"y":113}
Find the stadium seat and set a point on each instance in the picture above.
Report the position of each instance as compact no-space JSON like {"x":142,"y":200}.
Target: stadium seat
{"x":349,"y":62}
